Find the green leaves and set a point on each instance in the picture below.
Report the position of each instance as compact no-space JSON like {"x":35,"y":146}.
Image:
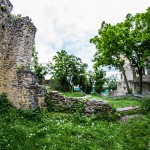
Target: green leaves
{"x":99,"y":78}
{"x":39,"y":69}
{"x":67,"y":70}
{"x":111,"y":83}
{"x":127,"y":40}
{"x":5,"y":105}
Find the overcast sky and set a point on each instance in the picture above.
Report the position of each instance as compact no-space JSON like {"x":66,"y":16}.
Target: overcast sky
{"x":70,"y":24}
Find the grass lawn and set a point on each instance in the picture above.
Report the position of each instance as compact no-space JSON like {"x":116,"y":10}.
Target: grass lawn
{"x":73,"y":94}
{"x":59,"y":131}
{"x":117,"y":102}
{"x":38,"y":129}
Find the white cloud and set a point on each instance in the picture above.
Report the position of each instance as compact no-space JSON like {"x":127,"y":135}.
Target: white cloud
{"x":69,"y":24}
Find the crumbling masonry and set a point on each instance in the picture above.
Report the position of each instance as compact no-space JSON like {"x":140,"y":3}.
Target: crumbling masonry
{"x":16,"y":43}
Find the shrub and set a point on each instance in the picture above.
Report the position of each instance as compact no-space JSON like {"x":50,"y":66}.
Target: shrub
{"x":73,"y":107}
{"x":34,"y":114}
{"x":49,"y":102}
{"x":145,"y":105}
{"x":78,"y":108}
{"x":5,"y":105}
{"x":3,"y":8}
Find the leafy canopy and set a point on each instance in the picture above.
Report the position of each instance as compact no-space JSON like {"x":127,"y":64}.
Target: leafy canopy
{"x":67,"y":69}
{"x":126,"y":40}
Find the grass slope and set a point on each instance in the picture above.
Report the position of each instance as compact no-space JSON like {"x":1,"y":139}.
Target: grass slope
{"x":59,"y":131}
{"x":37,"y":129}
{"x":73,"y":94}
{"x":117,"y":102}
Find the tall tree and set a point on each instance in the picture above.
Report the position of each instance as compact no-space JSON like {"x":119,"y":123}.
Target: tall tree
{"x":90,"y":81}
{"x":137,"y":41}
{"x":108,"y":50}
{"x":99,"y":78}
{"x":129,"y":39}
{"x":67,"y":70}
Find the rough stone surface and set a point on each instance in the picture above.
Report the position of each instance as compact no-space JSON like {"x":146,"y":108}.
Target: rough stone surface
{"x":91,"y":107}
{"x":125,"y":109}
{"x":16,"y":43}
{"x":127,"y":118}
{"x":133,"y":84}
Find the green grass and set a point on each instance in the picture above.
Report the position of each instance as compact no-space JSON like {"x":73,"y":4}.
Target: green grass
{"x":117,"y":102}
{"x":73,"y":94}
{"x":59,"y":131}
{"x":37,"y":129}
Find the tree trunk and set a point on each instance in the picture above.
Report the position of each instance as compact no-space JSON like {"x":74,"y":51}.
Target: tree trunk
{"x":126,"y":81}
{"x":140,"y":80}
{"x":72,"y":87}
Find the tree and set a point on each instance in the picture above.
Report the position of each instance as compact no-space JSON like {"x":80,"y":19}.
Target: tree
{"x":111,"y":83}
{"x":90,"y":82}
{"x":83,"y":81}
{"x":129,"y":39}
{"x":108,"y":50}
{"x":39,"y":70}
{"x":99,"y":78}
{"x":86,"y":82}
{"x":67,"y":70}
{"x":137,"y":42}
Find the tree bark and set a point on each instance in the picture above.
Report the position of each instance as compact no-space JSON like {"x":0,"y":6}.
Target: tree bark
{"x":140,"y":80}
{"x":126,"y":81}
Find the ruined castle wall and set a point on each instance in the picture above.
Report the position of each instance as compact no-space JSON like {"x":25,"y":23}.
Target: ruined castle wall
{"x":90,"y":106}
{"x":16,"y":43}
{"x":6,"y":26}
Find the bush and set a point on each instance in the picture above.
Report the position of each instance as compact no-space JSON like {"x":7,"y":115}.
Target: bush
{"x":145,"y":105}
{"x":34,"y":114}
{"x":5,"y":105}
{"x":78,"y":108}
{"x":53,"y":106}
{"x":49,"y":102}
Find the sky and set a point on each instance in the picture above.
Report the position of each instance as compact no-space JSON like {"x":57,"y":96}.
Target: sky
{"x":70,"y":24}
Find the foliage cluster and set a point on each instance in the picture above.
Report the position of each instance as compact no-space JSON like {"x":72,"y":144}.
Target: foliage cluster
{"x":39,"y":69}
{"x":145,"y":105}
{"x":20,"y":68}
{"x":16,"y":16}
{"x":128,"y":40}
{"x":34,"y":114}
{"x":3,"y":8}
{"x":111,"y":83}
{"x":66,"y":70}
{"x":29,"y":114}
{"x":76,"y":107}
{"x":5,"y":105}
{"x":100,"y":79}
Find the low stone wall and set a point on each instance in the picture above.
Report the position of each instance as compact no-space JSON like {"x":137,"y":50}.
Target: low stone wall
{"x":90,"y":106}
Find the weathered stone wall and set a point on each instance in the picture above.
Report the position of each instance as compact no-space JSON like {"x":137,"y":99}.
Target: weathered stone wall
{"x":90,"y":106}
{"x":16,"y":43}
{"x":133,"y":85}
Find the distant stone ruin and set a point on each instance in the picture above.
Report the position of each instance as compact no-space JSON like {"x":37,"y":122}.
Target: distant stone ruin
{"x":16,"y":42}
{"x":131,"y":78}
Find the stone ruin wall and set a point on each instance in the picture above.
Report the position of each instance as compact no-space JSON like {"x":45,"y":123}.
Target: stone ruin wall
{"x":91,"y":106}
{"x":16,"y":43}
{"x":133,"y":84}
